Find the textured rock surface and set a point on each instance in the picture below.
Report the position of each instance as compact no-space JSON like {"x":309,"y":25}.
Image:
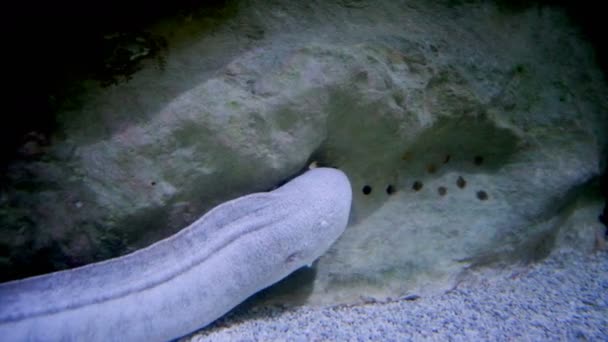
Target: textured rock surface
{"x":472,"y":128}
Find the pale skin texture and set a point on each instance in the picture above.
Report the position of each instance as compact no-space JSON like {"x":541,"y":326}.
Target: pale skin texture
{"x":185,"y":282}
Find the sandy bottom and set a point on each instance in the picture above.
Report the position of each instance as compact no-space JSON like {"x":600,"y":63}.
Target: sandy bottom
{"x":564,"y":297}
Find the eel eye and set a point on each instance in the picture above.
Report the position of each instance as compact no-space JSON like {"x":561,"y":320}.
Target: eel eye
{"x":293,"y":257}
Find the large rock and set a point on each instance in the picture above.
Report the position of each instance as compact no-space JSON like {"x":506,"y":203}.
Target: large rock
{"x":469,"y":134}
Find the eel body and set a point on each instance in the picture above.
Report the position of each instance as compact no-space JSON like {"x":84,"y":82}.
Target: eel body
{"x":183,"y":283}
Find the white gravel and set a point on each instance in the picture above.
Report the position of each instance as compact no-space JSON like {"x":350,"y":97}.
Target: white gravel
{"x":563,"y":298}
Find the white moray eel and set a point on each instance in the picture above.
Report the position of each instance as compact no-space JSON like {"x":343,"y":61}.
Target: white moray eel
{"x":190,"y":279}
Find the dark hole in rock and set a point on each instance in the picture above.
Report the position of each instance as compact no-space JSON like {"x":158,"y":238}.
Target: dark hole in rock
{"x":431,"y":168}
{"x":461,"y":182}
{"x":417,"y":185}
{"x":478,"y":160}
{"x":390,"y":189}
{"x":482,"y":195}
{"x":447,"y":158}
{"x":442,"y":190}
{"x":367,"y":190}
{"x":152,"y":183}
